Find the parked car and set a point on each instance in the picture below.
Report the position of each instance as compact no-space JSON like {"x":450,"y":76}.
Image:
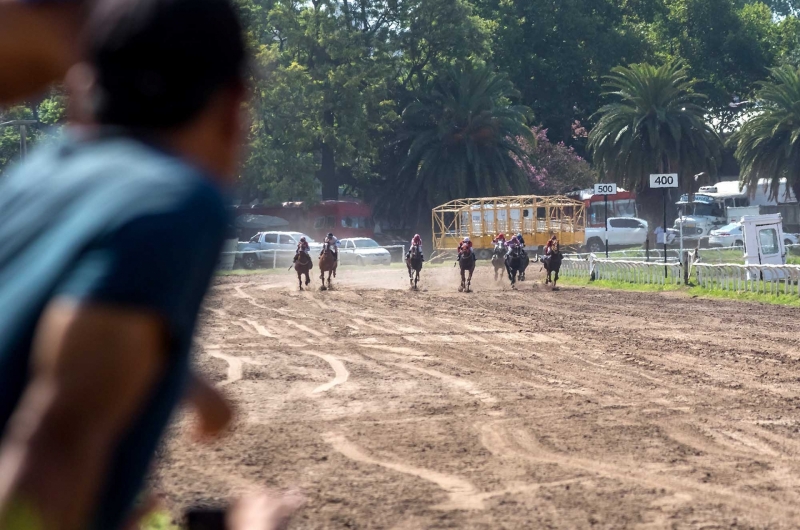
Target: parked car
{"x":267,"y":248}
{"x":363,"y":251}
{"x":730,"y":235}
{"x":791,"y":239}
{"x":622,"y":232}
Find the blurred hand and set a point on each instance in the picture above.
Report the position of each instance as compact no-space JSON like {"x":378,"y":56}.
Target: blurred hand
{"x":214,"y":411}
{"x":267,"y":510}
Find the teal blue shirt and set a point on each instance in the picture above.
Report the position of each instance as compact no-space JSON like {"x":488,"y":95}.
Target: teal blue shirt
{"x":116,"y":221}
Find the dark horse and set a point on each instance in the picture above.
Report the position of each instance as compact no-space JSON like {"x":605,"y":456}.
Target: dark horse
{"x":523,"y":264}
{"x":514,"y":265}
{"x":467,"y":264}
{"x":302,"y":267}
{"x":552,"y":263}
{"x":498,"y":258}
{"x":414,"y":264}
{"x":327,"y":263}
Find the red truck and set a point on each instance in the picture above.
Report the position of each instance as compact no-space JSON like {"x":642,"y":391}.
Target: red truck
{"x":345,"y":218}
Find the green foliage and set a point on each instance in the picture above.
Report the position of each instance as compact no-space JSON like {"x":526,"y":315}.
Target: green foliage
{"x":655,"y":124}
{"x":768,"y":144}
{"x":557,"y":52}
{"x":50,"y":113}
{"x":331,"y":78}
{"x":463,"y":138}
{"x":158,"y":521}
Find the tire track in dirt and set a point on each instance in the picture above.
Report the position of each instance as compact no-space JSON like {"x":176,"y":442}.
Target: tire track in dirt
{"x":520,"y":444}
{"x":341,"y":373}
{"x":463,"y":494}
{"x":235,"y":366}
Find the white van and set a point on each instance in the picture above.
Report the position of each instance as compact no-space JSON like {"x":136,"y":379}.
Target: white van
{"x":764,"y":241}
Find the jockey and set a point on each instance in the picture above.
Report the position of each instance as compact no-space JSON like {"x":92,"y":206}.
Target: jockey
{"x":549,"y":247}
{"x":465,"y":244}
{"x":501,"y":238}
{"x":512,"y":244}
{"x":416,"y":241}
{"x":521,"y":242}
{"x":302,"y":247}
{"x":333,"y":244}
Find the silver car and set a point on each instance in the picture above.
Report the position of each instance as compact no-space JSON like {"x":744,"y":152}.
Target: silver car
{"x":266,"y":249}
{"x":363,"y":251}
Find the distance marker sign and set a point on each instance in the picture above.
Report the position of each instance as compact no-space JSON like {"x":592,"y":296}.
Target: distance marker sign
{"x":605,"y":189}
{"x":664,"y":180}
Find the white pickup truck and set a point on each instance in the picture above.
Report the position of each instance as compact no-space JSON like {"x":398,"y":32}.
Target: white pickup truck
{"x":622,"y":232}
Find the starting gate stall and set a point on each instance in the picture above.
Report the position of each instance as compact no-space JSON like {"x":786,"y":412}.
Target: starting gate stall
{"x":537,"y":218}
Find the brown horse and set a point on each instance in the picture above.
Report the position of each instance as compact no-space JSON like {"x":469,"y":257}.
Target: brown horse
{"x":467,"y":263}
{"x":552,"y":263}
{"x":327,"y":263}
{"x":302,"y":267}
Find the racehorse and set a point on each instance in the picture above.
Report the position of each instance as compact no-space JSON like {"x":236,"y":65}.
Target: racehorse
{"x":513,"y":264}
{"x":552,"y":263}
{"x":498,"y":258}
{"x":523,"y":265}
{"x":414,"y":264}
{"x":327,"y":263}
{"x":302,"y":266}
{"x":467,"y":263}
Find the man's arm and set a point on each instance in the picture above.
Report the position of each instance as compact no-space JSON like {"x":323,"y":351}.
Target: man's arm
{"x":93,"y":367}
{"x":38,"y":44}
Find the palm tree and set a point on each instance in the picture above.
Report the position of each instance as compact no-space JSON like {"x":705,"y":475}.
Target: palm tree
{"x":462,"y":138}
{"x":768,"y":144}
{"x":655,"y":125}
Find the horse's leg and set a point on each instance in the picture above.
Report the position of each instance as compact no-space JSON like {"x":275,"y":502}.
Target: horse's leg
{"x":469,"y":280}
{"x":300,"y":279}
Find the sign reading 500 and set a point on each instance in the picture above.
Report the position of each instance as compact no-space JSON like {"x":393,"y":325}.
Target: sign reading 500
{"x":664,"y":180}
{"x":605,"y":189}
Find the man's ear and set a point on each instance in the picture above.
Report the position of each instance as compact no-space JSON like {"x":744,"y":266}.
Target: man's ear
{"x":81,"y":84}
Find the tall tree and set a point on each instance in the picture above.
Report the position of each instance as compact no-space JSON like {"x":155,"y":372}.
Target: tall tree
{"x":655,"y":124}
{"x":332,"y":78}
{"x":768,"y":144}
{"x":557,"y":52}
{"x":463,"y":139}
{"x":725,"y":44}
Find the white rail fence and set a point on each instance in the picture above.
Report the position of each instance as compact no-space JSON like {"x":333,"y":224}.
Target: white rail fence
{"x":769,"y":279}
{"x":733,"y":254}
{"x":274,"y":258}
{"x":623,"y":270}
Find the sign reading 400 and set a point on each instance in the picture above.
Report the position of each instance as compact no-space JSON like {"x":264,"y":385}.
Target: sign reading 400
{"x":664,"y":180}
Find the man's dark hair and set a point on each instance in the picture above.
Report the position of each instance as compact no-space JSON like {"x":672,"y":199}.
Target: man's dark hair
{"x":159,"y":62}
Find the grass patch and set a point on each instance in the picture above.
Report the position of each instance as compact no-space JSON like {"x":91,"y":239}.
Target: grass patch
{"x":691,"y":290}
{"x":158,"y":521}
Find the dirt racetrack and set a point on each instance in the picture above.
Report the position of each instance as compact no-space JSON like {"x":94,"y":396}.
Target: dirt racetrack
{"x":579,"y":408}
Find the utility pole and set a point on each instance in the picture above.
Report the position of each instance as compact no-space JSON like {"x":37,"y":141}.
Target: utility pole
{"x":23,"y":134}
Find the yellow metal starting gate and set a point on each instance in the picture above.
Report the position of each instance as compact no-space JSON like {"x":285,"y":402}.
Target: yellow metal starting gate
{"x":536,"y":218}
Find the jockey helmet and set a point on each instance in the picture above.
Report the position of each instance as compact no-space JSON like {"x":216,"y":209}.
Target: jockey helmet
{"x":417,"y":238}
{"x":302,"y":239}
{"x":466,"y":239}
{"x":330,"y":235}
{"x":501,"y":236}
{"x":519,"y":236}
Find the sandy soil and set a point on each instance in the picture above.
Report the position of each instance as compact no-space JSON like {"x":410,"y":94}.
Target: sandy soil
{"x":579,"y":408}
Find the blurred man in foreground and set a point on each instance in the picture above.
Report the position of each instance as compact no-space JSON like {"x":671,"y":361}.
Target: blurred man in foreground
{"x":107,"y":245}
